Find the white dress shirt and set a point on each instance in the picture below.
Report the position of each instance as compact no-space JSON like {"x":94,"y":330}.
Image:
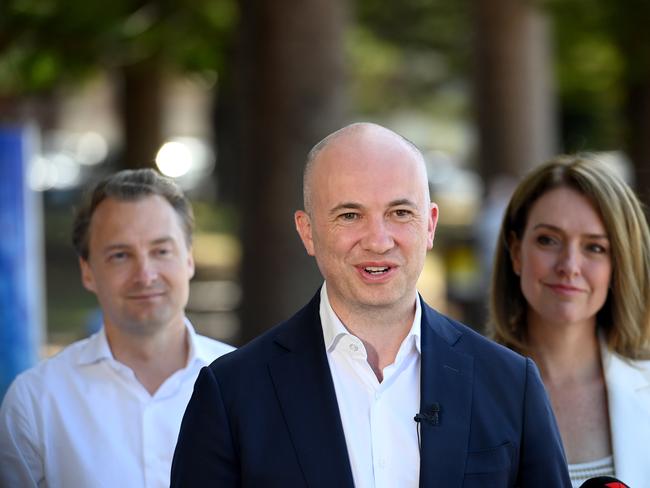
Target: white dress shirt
{"x":380,"y":433}
{"x":82,"y":419}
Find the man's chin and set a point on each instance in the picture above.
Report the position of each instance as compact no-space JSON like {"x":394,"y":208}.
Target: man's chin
{"x":378,"y":299}
{"x":146,"y":324}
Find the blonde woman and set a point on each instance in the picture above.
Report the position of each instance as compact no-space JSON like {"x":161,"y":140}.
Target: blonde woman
{"x":571,"y":289}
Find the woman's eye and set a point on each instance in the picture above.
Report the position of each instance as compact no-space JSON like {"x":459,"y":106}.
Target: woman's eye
{"x":596,"y":248}
{"x":546,"y":240}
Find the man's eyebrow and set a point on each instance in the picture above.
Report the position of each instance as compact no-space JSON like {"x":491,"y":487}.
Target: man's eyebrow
{"x":402,"y":201}
{"x":357,"y":206}
{"x":120,"y":246}
{"x":345,"y":206}
{"x":162,"y":240}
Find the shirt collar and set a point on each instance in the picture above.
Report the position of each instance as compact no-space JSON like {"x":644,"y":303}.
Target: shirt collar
{"x":97,"y":348}
{"x":334,"y":330}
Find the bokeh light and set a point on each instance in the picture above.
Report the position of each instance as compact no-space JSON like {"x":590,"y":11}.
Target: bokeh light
{"x":174,"y":159}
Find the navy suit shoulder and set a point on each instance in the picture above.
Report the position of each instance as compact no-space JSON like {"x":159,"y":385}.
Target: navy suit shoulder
{"x":467,"y":339}
{"x":242,"y":367}
{"x":266,"y":415}
{"x":499,"y":373}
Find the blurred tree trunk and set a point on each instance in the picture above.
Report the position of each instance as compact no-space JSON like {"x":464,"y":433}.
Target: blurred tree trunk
{"x":228,"y":119}
{"x":141,"y":100}
{"x":633,"y":38}
{"x":290,"y":93}
{"x":638,"y":143}
{"x":514,"y":95}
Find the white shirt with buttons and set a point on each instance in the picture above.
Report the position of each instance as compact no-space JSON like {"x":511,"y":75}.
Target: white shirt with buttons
{"x":377,"y":418}
{"x":82,"y":419}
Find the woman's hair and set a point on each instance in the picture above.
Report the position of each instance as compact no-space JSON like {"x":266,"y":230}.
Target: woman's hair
{"x":624,"y":319}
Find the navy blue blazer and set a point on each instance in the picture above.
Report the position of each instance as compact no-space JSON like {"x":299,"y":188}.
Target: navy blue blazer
{"x":266,"y":414}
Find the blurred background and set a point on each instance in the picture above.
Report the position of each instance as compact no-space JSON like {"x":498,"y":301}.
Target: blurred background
{"x":228,"y":96}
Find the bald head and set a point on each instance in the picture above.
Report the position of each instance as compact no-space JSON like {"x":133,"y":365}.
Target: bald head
{"x":368,"y":220}
{"x":350,"y":140}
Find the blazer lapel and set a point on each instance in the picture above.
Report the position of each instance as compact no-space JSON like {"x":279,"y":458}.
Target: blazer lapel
{"x":305,"y":391}
{"x":446,"y":379}
{"x":628,"y":391}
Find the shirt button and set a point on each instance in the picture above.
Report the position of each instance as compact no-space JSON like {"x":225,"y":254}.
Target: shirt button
{"x":354,"y":347}
{"x":381,"y":464}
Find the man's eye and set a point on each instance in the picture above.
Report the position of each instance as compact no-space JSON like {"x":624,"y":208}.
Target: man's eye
{"x":348,"y":216}
{"x":402,"y":212}
{"x":117,"y":256}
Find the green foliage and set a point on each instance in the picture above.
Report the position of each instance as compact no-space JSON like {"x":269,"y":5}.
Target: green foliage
{"x":215,"y":218}
{"x":405,"y":55}
{"x":376,"y":64}
{"x":421,"y":24}
{"x":412,"y":53}
{"x":47,"y":42}
{"x":600,"y":47}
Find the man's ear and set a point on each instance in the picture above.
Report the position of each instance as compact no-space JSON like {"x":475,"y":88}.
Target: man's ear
{"x":87,"y":276}
{"x":514,"y":246}
{"x":303,"y":226}
{"x":190,"y":262}
{"x":433,"y":222}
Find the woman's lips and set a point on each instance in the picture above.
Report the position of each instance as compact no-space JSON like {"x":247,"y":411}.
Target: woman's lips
{"x":565,"y":289}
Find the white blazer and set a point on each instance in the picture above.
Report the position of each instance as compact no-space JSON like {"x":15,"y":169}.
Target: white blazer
{"x":628,"y":394}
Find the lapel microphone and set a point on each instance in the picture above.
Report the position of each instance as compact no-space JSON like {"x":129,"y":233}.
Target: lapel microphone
{"x":603,"y":482}
{"x":430,"y":415}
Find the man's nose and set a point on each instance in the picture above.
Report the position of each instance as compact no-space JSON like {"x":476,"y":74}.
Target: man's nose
{"x":377,"y":237}
{"x":146,"y":272}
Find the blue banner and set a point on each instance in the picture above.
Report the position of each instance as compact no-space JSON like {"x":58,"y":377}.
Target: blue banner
{"x":21,"y":287}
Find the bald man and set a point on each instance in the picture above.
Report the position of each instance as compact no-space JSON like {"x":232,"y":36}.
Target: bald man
{"x":367,"y":386}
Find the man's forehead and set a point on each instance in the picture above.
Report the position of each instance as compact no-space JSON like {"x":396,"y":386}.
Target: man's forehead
{"x":128,"y":210}
{"x":117,"y":201}
{"x":155,"y":216}
{"x":354,"y":165}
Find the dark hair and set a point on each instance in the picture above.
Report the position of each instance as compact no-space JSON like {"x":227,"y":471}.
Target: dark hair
{"x":625,"y":317}
{"x":130,"y":185}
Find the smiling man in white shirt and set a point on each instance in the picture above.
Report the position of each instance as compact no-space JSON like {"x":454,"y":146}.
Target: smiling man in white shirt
{"x":106,"y":410}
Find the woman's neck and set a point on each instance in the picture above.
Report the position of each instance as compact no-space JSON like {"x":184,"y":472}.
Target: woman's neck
{"x":564,"y":352}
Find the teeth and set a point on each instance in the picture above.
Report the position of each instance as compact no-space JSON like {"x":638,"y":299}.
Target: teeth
{"x":376,"y":269}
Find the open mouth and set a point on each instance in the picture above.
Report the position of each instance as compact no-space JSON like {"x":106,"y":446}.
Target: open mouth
{"x":376,"y":270}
